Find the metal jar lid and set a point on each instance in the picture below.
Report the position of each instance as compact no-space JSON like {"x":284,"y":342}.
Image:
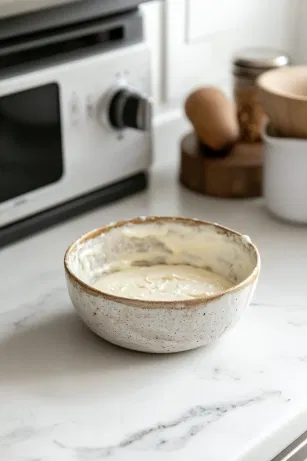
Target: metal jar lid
{"x":252,"y":62}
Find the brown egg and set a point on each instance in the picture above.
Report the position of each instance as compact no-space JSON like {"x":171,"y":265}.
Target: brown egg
{"x":213,"y":116}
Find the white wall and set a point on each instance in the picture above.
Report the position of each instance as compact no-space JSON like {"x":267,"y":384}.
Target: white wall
{"x":193,"y":41}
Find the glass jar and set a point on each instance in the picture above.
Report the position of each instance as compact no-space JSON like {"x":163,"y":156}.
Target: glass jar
{"x":247,"y":66}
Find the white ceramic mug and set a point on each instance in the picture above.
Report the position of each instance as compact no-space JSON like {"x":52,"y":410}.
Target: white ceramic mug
{"x":285,"y":176}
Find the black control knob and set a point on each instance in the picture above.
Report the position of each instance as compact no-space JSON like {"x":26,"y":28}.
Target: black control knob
{"x":129,"y":109}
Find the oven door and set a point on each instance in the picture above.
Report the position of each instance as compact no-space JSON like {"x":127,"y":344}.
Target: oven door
{"x":30,"y":141}
{"x":31,"y":151}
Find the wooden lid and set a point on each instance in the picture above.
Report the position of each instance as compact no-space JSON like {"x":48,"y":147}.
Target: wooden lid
{"x":238,"y":175}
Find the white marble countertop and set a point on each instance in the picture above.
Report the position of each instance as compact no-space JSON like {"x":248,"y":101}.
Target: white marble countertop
{"x":66,"y":395}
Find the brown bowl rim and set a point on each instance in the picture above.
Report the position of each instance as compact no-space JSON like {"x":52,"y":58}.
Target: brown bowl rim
{"x":292,"y":96}
{"x":159,"y":304}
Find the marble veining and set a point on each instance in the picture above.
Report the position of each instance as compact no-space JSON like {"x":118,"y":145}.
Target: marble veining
{"x":22,"y":434}
{"x":161,"y":437}
{"x":67,"y":395}
{"x":26,"y":313}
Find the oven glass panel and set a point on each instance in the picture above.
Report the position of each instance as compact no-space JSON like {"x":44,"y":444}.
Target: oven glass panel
{"x":30,"y":141}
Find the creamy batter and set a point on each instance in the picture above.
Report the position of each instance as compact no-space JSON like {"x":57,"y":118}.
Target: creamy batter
{"x":162,"y":283}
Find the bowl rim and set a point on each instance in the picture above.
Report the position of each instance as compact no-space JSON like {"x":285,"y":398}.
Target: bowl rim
{"x":135,"y":302}
{"x":288,"y":69}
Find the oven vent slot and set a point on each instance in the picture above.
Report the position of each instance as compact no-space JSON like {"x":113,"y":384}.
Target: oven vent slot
{"x":97,"y":34}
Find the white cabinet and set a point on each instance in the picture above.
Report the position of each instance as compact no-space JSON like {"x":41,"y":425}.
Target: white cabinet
{"x":194,"y":40}
{"x":208,"y":17}
{"x":300,"y":49}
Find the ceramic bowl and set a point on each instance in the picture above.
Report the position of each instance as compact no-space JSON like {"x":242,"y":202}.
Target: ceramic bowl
{"x":161,"y":326}
{"x":283,"y":95}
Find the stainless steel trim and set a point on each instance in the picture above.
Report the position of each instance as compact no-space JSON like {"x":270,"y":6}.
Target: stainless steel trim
{"x":149,"y":115}
{"x":17,"y":7}
{"x":144,"y":114}
{"x":141,"y":121}
{"x":297,"y":451}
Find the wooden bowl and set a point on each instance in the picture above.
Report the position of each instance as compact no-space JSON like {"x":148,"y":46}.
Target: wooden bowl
{"x":283,"y":94}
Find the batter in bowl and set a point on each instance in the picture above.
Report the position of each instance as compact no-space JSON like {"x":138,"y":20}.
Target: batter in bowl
{"x":163,"y":283}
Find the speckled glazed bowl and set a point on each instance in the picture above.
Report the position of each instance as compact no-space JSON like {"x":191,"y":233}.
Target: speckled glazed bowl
{"x":161,"y":326}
